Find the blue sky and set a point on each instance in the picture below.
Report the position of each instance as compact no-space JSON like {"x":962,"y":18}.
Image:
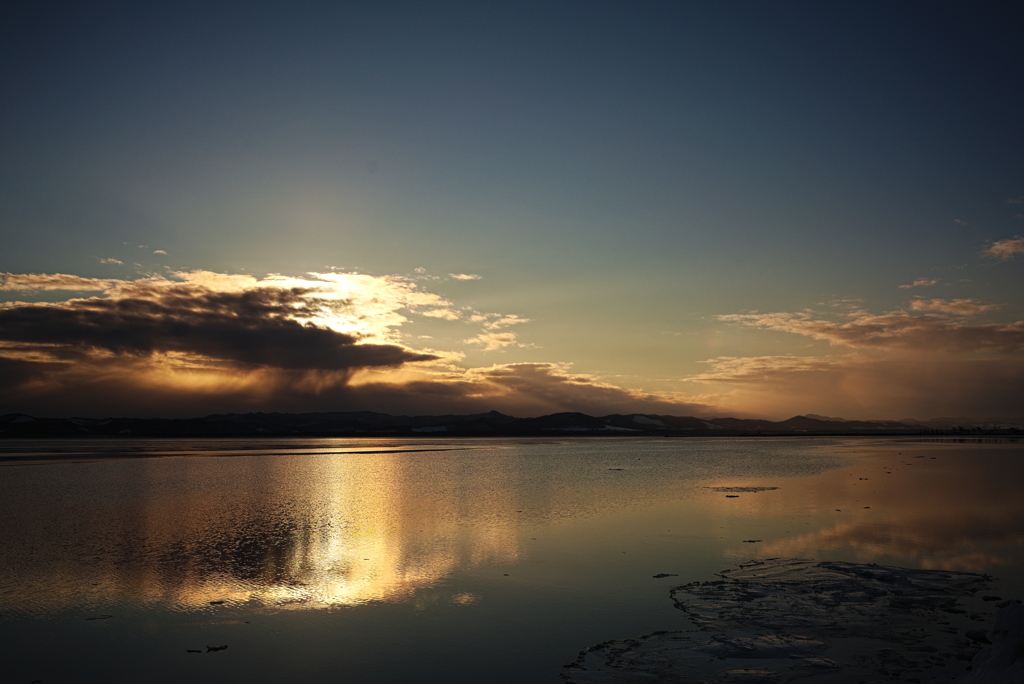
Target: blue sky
{"x":624,"y":178}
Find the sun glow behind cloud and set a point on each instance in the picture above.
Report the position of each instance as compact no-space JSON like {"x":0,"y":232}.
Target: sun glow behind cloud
{"x":214,"y":341}
{"x":635,"y":176}
{"x":190,"y":342}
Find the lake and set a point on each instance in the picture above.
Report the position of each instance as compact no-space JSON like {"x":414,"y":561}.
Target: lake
{"x":446,"y":560}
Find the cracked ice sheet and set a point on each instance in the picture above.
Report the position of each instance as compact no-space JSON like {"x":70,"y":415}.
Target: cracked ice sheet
{"x":781,"y":620}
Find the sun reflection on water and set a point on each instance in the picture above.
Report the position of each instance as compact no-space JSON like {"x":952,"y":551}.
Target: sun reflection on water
{"x":328,"y":530}
{"x":288,"y":532}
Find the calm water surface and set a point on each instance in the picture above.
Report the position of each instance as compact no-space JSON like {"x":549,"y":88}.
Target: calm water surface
{"x":347,"y":560}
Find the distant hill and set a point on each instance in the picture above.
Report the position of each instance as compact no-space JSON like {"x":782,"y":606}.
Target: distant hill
{"x":493,"y":423}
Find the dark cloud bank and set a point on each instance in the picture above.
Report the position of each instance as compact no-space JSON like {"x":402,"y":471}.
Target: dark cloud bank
{"x":180,"y":350}
{"x":252,"y":328}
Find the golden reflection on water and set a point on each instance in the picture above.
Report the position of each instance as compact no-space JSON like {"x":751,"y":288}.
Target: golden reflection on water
{"x":297,"y":532}
{"x":318,"y":531}
{"x":944,"y":507}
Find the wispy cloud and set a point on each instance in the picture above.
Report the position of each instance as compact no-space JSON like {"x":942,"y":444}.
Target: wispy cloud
{"x":33,"y":282}
{"x":110,"y":260}
{"x":1016,"y":200}
{"x":1006,"y":249}
{"x":446,"y":314}
{"x":159,"y":251}
{"x":492,"y":341}
{"x":957,"y":307}
{"x":747,"y":368}
{"x":497,"y":321}
{"x":921,"y":282}
{"x":926,"y":332}
{"x":493,"y":338}
{"x":465,"y":276}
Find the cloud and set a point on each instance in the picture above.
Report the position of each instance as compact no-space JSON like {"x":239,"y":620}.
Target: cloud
{"x":490,"y":338}
{"x":927,"y":332}
{"x":111,"y":260}
{"x":751,"y":368}
{"x":920,"y":282}
{"x":871,"y":386}
{"x":464,"y":276}
{"x":159,"y":251}
{"x":930,"y":361}
{"x":963,"y":224}
{"x":446,"y":314}
{"x":1016,"y":200}
{"x":1006,"y":249}
{"x":137,"y":387}
{"x":958,"y":307}
{"x":16,"y":372}
{"x":504,"y":321}
{"x":493,"y":341}
{"x":203,"y":334}
{"x":32,"y":282}
{"x":199,"y":342}
{"x":255,"y":327}
{"x":521,"y":389}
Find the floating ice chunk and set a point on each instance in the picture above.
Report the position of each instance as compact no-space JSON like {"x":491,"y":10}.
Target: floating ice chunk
{"x":762,"y":646}
{"x":785,"y":620}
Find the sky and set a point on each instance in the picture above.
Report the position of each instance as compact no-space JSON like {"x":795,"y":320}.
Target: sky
{"x":753,"y":209}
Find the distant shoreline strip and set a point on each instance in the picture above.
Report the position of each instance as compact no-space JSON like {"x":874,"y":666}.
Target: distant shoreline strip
{"x":91,"y":456}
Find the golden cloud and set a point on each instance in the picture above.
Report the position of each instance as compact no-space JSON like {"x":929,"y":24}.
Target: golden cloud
{"x":494,"y":341}
{"x":1006,"y":249}
{"x":930,"y":361}
{"x":958,"y":307}
{"x":928,"y":332}
{"x":920,"y":282}
{"x":200,"y":342}
{"x":33,"y":282}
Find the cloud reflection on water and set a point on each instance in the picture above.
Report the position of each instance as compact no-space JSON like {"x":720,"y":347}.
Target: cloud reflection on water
{"x":320,"y":530}
{"x":938,"y":507}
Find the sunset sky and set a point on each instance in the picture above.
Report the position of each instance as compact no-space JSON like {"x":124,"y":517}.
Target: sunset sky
{"x":691,"y":208}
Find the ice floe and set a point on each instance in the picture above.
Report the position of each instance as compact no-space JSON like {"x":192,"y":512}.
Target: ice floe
{"x":784,"y":620}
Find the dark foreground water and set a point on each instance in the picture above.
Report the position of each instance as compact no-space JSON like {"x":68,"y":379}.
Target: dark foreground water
{"x":445,"y":560}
